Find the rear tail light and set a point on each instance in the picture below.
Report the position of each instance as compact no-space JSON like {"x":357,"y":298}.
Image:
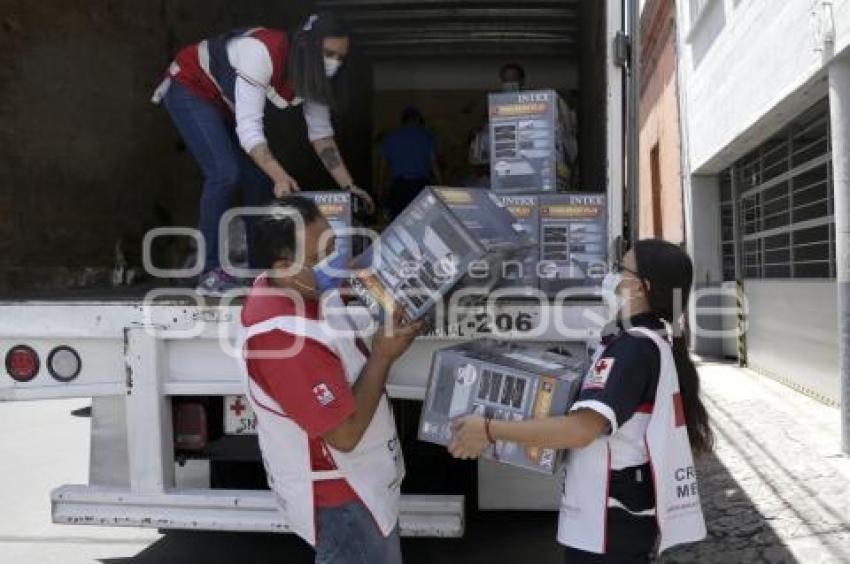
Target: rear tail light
{"x":64,"y":363}
{"x":190,"y":426}
{"x":22,"y":363}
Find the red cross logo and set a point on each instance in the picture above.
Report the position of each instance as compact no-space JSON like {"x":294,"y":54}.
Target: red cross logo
{"x":601,"y":366}
{"x":237,"y":407}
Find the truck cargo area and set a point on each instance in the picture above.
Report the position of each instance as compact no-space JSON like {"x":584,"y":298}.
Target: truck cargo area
{"x":441,"y":56}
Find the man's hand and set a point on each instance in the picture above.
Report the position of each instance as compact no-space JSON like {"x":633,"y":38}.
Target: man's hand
{"x":363,"y":195}
{"x":394,"y":338}
{"x":469,"y":437}
{"x":389,"y":343}
{"x":285,"y":185}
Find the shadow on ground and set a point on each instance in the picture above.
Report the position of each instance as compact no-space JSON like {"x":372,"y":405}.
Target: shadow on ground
{"x":737,"y":532}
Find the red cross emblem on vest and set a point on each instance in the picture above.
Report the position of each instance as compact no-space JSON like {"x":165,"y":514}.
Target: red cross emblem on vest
{"x":597,"y":377}
{"x":237,"y":407}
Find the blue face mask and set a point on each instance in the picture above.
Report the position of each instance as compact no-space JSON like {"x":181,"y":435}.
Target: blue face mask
{"x":330,"y":272}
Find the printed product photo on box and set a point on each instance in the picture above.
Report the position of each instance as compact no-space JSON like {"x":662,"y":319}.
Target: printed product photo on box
{"x":529,"y":151}
{"x":521,"y":273}
{"x":573,"y":241}
{"x":504,"y":381}
{"x":445,"y":237}
{"x":336,"y":207}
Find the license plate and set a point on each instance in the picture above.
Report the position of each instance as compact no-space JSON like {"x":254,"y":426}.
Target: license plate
{"x":239,"y":418}
{"x":507,"y":320}
{"x":504,"y":321}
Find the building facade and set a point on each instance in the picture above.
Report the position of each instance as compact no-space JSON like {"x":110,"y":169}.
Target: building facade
{"x":661,"y":212}
{"x":762,"y":87}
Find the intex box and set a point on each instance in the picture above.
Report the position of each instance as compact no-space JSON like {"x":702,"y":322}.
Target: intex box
{"x":505,"y":381}
{"x":527,"y":142}
{"x":445,"y":237}
{"x":336,"y":207}
{"x":522,"y":271}
{"x":573,"y":241}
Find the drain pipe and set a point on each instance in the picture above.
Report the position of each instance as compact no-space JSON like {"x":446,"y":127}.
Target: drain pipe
{"x":839,"y":104}
{"x":633,"y":127}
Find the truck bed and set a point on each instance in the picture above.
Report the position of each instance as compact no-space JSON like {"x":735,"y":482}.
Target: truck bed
{"x":120,"y":295}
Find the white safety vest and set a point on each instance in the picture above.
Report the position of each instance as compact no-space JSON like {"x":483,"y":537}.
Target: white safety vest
{"x":678,"y":510}
{"x":374,"y":469}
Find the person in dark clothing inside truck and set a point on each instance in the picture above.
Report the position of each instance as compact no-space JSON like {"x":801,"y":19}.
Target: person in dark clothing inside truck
{"x":409,"y":154}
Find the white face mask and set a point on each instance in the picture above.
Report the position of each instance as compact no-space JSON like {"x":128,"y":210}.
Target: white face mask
{"x":610,"y":284}
{"x":332,"y":66}
{"x":611,"y":281}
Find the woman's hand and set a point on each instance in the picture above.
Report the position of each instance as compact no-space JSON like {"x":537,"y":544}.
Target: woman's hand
{"x":469,"y":437}
{"x":363,"y":195}
{"x":285,"y":185}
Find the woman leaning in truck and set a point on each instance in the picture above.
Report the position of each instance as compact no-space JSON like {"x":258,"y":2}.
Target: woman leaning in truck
{"x":629,"y":478}
{"x":216,"y":93}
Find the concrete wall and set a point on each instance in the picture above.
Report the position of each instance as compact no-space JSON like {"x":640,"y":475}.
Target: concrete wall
{"x":797,"y":341}
{"x":750,"y":68}
{"x":703,"y":236}
{"x":86,"y":160}
{"x":659,"y":122}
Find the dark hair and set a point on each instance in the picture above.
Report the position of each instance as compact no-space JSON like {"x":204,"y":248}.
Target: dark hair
{"x":411,"y":115}
{"x":275,"y":232}
{"x":514,"y":67}
{"x":306,"y":68}
{"x":670,"y":273}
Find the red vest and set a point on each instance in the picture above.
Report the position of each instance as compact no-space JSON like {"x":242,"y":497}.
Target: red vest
{"x":204,"y":69}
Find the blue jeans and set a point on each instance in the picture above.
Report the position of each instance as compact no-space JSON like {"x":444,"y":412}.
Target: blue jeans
{"x":211,"y":137}
{"x":348,"y":534}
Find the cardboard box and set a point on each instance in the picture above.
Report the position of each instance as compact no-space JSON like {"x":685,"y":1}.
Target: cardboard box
{"x":528,"y":142}
{"x":522,"y":272}
{"x":336,"y":207}
{"x":446,"y":237}
{"x":505,"y":381}
{"x":573,"y":241}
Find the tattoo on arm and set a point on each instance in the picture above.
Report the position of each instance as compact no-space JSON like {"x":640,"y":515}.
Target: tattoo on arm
{"x":262,"y":154}
{"x":330,"y":157}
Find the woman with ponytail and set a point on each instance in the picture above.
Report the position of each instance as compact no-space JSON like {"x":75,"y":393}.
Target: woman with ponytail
{"x":630,"y":483}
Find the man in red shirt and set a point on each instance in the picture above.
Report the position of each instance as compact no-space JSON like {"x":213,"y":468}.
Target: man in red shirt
{"x":325,"y":427}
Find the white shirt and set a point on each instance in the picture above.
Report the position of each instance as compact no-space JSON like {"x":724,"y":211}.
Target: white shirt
{"x":254,"y":70}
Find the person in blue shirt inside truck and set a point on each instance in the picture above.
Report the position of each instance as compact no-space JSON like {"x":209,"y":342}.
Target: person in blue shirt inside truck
{"x":409,"y":154}
{"x":630,"y":483}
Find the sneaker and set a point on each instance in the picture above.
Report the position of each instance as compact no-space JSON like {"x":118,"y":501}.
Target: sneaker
{"x":215,"y":283}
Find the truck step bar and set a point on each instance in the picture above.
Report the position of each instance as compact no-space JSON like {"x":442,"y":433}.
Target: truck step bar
{"x":228,"y":510}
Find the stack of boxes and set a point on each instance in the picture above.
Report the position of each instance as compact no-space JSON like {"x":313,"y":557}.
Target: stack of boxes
{"x":528,"y":231}
{"x":531,"y":169}
{"x":532,"y":156}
